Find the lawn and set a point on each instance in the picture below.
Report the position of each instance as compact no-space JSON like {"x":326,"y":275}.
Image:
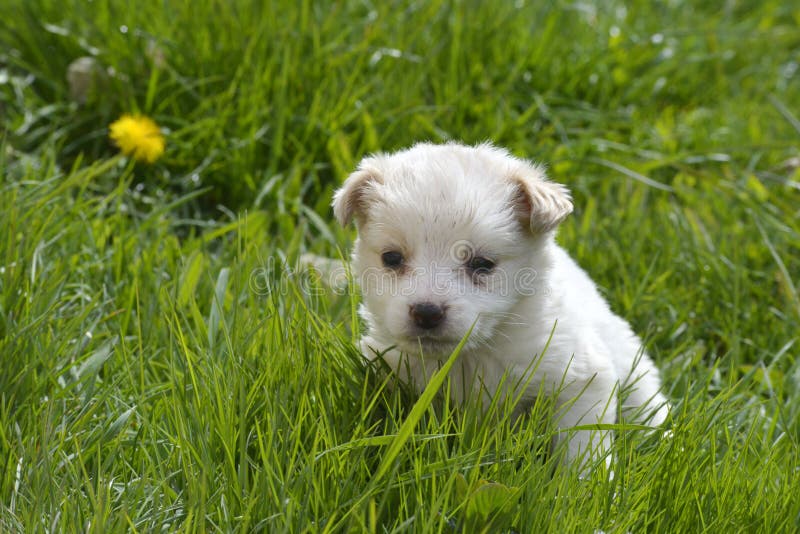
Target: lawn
{"x":165,"y":369}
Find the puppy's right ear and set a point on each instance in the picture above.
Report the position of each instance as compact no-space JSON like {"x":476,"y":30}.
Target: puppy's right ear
{"x":349,"y":201}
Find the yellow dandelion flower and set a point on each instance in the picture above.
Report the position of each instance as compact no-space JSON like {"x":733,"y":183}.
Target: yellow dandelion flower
{"x":138,"y":136}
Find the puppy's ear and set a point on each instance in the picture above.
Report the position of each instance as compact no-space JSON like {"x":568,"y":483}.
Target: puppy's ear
{"x":349,"y":200}
{"x":540,"y":203}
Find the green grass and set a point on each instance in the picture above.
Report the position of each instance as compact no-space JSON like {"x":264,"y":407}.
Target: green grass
{"x":160,"y":371}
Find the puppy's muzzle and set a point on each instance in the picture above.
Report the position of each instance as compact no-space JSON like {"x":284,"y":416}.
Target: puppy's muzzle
{"x":427,"y":315}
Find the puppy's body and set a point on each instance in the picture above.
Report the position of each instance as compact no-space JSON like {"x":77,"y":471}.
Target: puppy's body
{"x":454,"y":237}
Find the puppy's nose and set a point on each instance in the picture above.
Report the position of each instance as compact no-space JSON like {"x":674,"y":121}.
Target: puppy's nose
{"x":427,"y":315}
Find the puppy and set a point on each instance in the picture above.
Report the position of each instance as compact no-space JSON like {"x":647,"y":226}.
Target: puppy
{"x":453,"y":238}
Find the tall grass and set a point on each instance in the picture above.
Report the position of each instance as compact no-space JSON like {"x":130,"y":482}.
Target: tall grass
{"x":163,"y":369}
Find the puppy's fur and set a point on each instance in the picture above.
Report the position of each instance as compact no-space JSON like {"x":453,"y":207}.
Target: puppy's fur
{"x":453,"y":237}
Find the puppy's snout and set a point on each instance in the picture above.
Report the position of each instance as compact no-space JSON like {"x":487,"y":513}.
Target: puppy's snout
{"x":427,"y":315}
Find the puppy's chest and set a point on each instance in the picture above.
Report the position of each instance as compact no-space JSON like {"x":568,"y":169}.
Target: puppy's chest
{"x":488,"y":371}
{"x":530,"y":354}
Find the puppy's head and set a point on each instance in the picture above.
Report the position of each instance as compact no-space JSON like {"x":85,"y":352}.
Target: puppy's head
{"x":449,"y":236}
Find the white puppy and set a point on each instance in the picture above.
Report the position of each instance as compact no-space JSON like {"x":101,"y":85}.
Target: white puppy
{"x":452,"y":236}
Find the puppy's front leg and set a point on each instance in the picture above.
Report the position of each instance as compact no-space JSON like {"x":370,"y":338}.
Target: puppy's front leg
{"x":588,"y":402}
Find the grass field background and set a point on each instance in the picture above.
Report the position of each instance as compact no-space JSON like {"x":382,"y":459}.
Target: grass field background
{"x":161,"y":370}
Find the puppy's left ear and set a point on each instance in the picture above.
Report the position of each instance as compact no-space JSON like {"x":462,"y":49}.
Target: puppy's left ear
{"x":540,"y":203}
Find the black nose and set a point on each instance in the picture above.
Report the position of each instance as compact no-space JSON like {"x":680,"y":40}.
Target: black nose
{"x":427,"y":315}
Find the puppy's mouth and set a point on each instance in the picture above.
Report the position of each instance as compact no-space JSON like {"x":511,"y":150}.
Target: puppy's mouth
{"x":429,"y":344}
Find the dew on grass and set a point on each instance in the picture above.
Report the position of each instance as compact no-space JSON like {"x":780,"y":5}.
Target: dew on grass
{"x":384,"y":52}
{"x":58,"y":30}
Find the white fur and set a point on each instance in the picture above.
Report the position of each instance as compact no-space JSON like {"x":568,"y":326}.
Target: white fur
{"x":441,"y":204}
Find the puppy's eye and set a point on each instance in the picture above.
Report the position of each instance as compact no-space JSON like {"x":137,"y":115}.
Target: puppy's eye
{"x":392,"y":258}
{"x":480,"y":265}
